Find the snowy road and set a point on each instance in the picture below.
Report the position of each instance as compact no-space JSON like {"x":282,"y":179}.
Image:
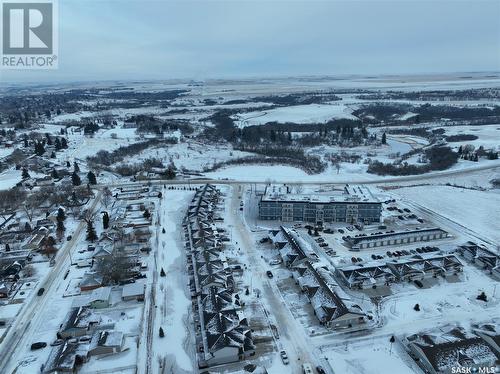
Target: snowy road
{"x":292,"y":334}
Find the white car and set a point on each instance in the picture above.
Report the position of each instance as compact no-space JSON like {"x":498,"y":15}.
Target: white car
{"x":275,"y":261}
{"x":284,"y":358}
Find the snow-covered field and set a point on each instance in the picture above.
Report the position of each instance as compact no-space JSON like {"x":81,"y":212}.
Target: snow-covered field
{"x":474,"y":209}
{"x":312,"y":113}
{"x":488,"y":136}
{"x":190,"y":155}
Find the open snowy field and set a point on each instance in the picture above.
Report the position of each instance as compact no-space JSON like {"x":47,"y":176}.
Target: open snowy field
{"x":372,"y":356}
{"x":313,"y":113}
{"x":471,"y":208}
{"x":488,"y":136}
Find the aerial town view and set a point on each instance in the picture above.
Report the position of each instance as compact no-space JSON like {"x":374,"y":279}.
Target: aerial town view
{"x":238,"y":187}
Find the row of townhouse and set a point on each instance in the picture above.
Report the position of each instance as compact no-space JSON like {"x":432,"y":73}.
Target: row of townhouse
{"x":332,"y":306}
{"x":482,"y":257}
{"x":418,"y":267}
{"x":364,"y":241}
{"x":452,"y":349}
{"x":223,"y":334}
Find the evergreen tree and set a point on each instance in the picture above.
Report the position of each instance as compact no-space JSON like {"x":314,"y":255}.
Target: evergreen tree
{"x":91,"y":234}
{"x":91,"y":177}
{"x":49,"y":139}
{"x":146,"y":214}
{"x":25,"y":174}
{"x":384,"y":138}
{"x":55,"y":175}
{"x":39,"y":148}
{"x":75,"y":178}
{"x":171,"y":173}
{"x":57,"y":144}
{"x":76,"y":167}
{"x":105,"y":220}
{"x":61,"y":216}
{"x":64,"y":143}
{"x":68,"y":165}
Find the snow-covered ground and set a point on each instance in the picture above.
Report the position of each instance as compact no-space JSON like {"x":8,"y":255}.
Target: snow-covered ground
{"x":172,"y":302}
{"x":371,"y":356}
{"x":4,"y":152}
{"x":10,"y":178}
{"x":312,"y":113}
{"x":474,"y":209}
{"x":488,"y":135}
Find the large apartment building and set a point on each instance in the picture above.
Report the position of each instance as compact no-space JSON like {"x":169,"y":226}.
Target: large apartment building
{"x":352,"y":204}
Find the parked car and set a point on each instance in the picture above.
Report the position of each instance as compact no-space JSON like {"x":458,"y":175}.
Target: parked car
{"x":41,"y":291}
{"x":57,"y":342}
{"x":85,"y":338}
{"x":275,"y":261}
{"x":320,"y":370}
{"x":341,"y":231}
{"x":269,"y":274}
{"x":419,"y":284}
{"x":284,"y":358}
{"x":307,"y":368}
{"x":38,"y":345}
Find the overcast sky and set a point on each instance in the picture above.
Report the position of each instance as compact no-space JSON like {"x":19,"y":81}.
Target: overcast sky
{"x":138,"y":39}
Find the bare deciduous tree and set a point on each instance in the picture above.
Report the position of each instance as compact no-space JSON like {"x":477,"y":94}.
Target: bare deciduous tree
{"x":116,"y":267}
